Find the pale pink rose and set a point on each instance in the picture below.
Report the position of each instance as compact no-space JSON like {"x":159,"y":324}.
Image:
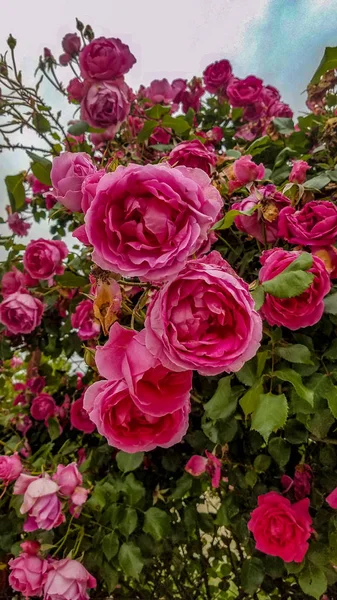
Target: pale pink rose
{"x":28,"y":574}
{"x":105,"y":59}
{"x":43,"y":258}
{"x":18,"y":225}
{"x":79,"y":417}
{"x":42,"y":505}
{"x":313,"y":225}
{"x":146,"y":220}
{"x":21,"y":312}
{"x":10,"y":468}
{"x":217,"y":76}
{"x":68,"y":580}
{"x":159,"y":92}
{"x":83,"y":320}
{"x":89,"y":187}
{"x":22,"y":483}
{"x":193,"y":154}
{"x":197,"y":465}
{"x":12,"y":281}
{"x":78,"y":498}
{"x":204,"y":319}
{"x":67,"y":478}
{"x":298,"y":172}
{"x":331,"y":499}
{"x":68,"y":173}
{"x":43,"y":407}
{"x":105,"y":104}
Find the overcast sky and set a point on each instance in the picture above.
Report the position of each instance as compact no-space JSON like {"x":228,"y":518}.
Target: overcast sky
{"x":281,"y":41}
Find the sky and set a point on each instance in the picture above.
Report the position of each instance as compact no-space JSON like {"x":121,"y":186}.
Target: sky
{"x":281,"y":41}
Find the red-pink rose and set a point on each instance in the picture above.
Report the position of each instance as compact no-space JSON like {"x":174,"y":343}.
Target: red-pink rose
{"x":83,"y":320}
{"x":71,"y":43}
{"x":159,"y":92}
{"x":210,"y":465}
{"x":280,"y":109}
{"x":68,"y":580}
{"x":36,"y":384}
{"x":75,"y":90}
{"x":64,"y":59}
{"x":217,"y":76}
{"x":193,"y":154}
{"x":79,"y":417}
{"x":21,"y":313}
{"x":178,"y":86}
{"x":300,"y":311}
{"x":191,"y":98}
{"x":18,"y":225}
{"x":89,"y":187}
{"x":67,"y":478}
{"x":106,"y":103}
{"x":12,"y":282}
{"x":281,"y":528}
{"x":67,"y":174}
{"x":10,"y":467}
{"x":36,"y":185}
{"x":43,"y":407}
{"x":28,"y":574}
{"x":313,"y":225}
{"x":40,"y":502}
{"x":32,"y":547}
{"x":105,"y":59}
{"x":244,"y":91}
{"x":43,"y":258}
{"x":160,"y":136}
{"x":298,"y":172}
{"x":269,"y":95}
{"x":146,"y":220}
{"x":204,"y":319}
{"x":302,"y":481}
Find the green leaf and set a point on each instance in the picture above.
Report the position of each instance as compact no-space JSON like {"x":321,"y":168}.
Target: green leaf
{"x":16,"y":191}
{"x":284,"y":125}
{"x":229,"y":217}
{"x":221,"y":405}
{"x":78,"y":128}
{"x":247,"y":373}
{"x":250,"y":399}
{"x":129,"y":462}
{"x":157,"y":111}
{"x":134,"y":489}
{"x":328,"y":62}
{"x":317,"y":183}
{"x":110,"y":545}
{"x":295,"y":432}
{"x":41,"y":123}
{"x":110,"y":577}
{"x":330,"y":304}
{"x":130,"y":559}
{"x":42,"y":172}
{"x":183,"y":485}
{"x":97,"y":499}
{"x":54,"y":429}
{"x":233,"y":153}
{"x":258,"y":145}
{"x":331,"y":352}
{"x":296,"y":380}
{"x":258,"y":296}
{"x":177,"y":124}
{"x":288,"y":285}
{"x":302,"y":263}
{"x":145,"y":133}
{"x":262,"y":463}
{"x":252,"y":575}
{"x":279,"y":450}
{"x":313,"y":580}
{"x":157,"y":523}
{"x":321,"y":423}
{"x":41,"y":160}
{"x":270,"y":414}
{"x":128,"y":522}
{"x":69,"y":279}
{"x":295,"y":353}
{"x":329,"y":392}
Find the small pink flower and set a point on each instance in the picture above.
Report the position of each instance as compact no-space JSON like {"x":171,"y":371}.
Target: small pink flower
{"x":217,"y":76}
{"x":244,"y":91}
{"x":83,"y":320}
{"x":67,"y":478}
{"x":211,"y":465}
{"x":68,"y":173}
{"x":71,"y":43}
{"x":43,"y":407}
{"x":331,"y":499}
{"x":15,"y":362}
{"x":36,"y":384}
{"x":12,"y":281}
{"x":193,"y":154}
{"x":36,"y":185}
{"x":298,"y":172}
{"x":18,"y":225}
{"x":159,"y":92}
{"x":10,"y":468}
{"x":75,"y":90}
{"x":81,"y":454}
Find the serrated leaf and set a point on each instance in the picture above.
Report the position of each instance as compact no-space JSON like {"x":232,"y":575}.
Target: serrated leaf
{"x":134,"y":489}
{"x":295,"y":379}
{"x":157,"y":111}
{"x":110,"y":577}
{"x":313,"y":581}
{"x":130,"y":559}
{"x":320,"y":423}
{"x":110,"y":545}
{"x":41,"y":123}
{"x":54,"y":428}
{"x":129,"y":462}
{"x":222,"y":404}
{"x":42,"y":172}
{"x":128,"y":523}
{"x":331,"y":352}
{"x":329,"y":392}
{"x":78,"y":128}
{"x":16,"y":191}
{"x":250,"y":399}
{"x":270,"y":414}
{"x":295,"y":353}
{"x":177,"y":124}
{"x":157,"y":523}
{"x":284,"y":125}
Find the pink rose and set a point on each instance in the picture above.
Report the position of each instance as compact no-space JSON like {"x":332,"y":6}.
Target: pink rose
{"x":191,"y":98}
{"x":303,"y":310}
{"x":215,"y":134}
{"x":68,"y":580}
{"x":245,"y":170}
{"x":12,"y":282}
{"x":50,"y":201}
{"x":28,"y":574}
{"x":10,"y":468}
{"x":43,"y":407}
{"x":71,"y":43}
{"x":178,"y":86}
{"x":43,"y":258}
{"x":89,"y":186}
{"x":217,"y":76}
{"x":244,"y":91}
{"x":269,"y":95}
{"x":302,"y":481}
{"x":204,"y":319}
{"x":67,"y":175}
{"x":146,"y":220}
{"x":41,"y":503}
{"x":37,"y":187}
{"x":75,"y":90}
{"x":159,"y":136}
{"x":313,"y":225}
{"x":331,"y":499}
{"x":159,"y":92}
{"x":83,"y":320}
{"x":21,"y":313}
{"x":105,"y":59}
{"x":193,"y":154}
{"x":64,"y":59}
{"x":197,"y":465}
{"x":32,"y":547}
{"x":79,"y":417}
{"x":328,"y":254}
{"x":78,"y":498}
{"x":280,"y":109}
{"x":298,"y":172}
{"x":67,"y":478}
{"x":281,"y":528}
{"x":262,"y":224}
{"x":36,"y":384}
{"x":18,"y":225}
{"x":106,"y":103}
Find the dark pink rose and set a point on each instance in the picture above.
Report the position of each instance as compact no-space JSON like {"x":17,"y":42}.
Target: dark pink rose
{"x":281,"y":528}
{"x":191,"y":98}
{"x":71,"y":43}
{"x":160,"y":136}
{"x":106,"y":103}
{"x":18,"y":225}
{"x":64,"y":59}
{"x":269,"y":95}
{"x":43,"y":258}
{"x":298,"y":172}
{"x":21,"y":313}
{"x":83,"y":320}
{"x":50,"y":201}
{"x":89,"y":186}
{"x":68,"y":173}
{"x":43,"y":407}
{"x":331,"y":499}
{"x":204,"y":319}
{"x":302,"y":481}
{"x":328,"y":254}
{"x":30,"y":281}
{"x":75,"y":90}
{"x":36,"y":185}
{"x":40,"y":503}
{"x":303,"y":310}
{"x":79,"y":417}
{"x":215,"y":134}
{"x":28,"y":574}
{"x":159,"y":92}
{"x":193,"y":154}
{"x":280,"y":109}
{"x":178,"y":86}
{"x":217,"y":76}
{"x":12,"y":282}
{"x":146,"y":220}
{"x":47,"y":53}
{"x":105,"y":59}
{"x":36,"y":384}
{"x":68,"y":580}
{"x":10,"y":467}
{"x":67,"y":478}
{"x":262,"y":224}
{"x":313,"y":225}
{"x":244,"y":171}
{"x":241,"y":92}
{"x":210,"y":465}
{"x":31,"y":547}
{"x":254,"y":111}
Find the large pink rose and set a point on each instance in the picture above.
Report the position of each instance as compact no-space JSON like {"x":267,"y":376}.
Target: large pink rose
{"x":79,"y":417}
{"x":28,"y":574}
{"x":193,"y":154}
{"x":68,"y":173}
{"x":303,"y":310}
{"x":217,"y":76}
{"x":89,"y":186}
{"x":105,"y":59}
{"x":241,"y":92}
{"x":83,"y":320}
{"x":10,"y":467}
{"x":43,"y":407}
{"x":68,"y":580}
{"x":67,"y":478}
{"x":204,"y":319}
{"x":12,"y":282}
{"x":314,"y":225}
{"x":298,"y":172}
{"x":281,"y":528}
{"x":146,"y":220}
{"x":154,"y":389}
{"x":41,"y":503}
{"x":262,"y":224}
{"x":106,"y":103}
{"x":159,"y":92}
{"x":43,"y":258}
{"x":21,"y":313}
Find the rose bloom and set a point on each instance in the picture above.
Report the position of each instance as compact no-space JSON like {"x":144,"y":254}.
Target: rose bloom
{"x":36,"y":384}
{"x":298,"y":172}
{"x":281,"y":528}
{"x":89,"y":186}
{"x":12,"y":282}
{"x":43,"y":258}
{"x":269,"y":95}
{"x":160,"y":136}
{"x":146,"y":220}
{"x":75,"y":90}
{"x":106,"y":103}
{"x":67,"y":478}
{"x":262,"y":224}
{"x":43,"y":407}
{"x":191,"y":98}
{"x":18,"y":225}
{"x":64,"y":59}
{"x":280,"y":109}
{"x":328,"y":254}
{"x":217,"y":76}
{"x":36,"y":186}
{"x":10,"y":468}
{"x":159,"y":92}
{"x":50,"y":201}
{"x":79,"y":417}
{"x":105,"y":59}
{"x":241,"y":92}
{"x":83,"y":320}
{"x":67,"y":580}
{"x":193,"y":154}
{"x":178,"y":86}
{"x":28,"y":574}
{"x":303,"y":310}
{"x":67,"y":175}
{"x":197,"y":465}
{"x":244,"y":171}
{"x":21,"y":312}
{"x":40,"y":501}
{"x":204,"y":319}
{"x":71,"y":43}
{"x":313,"y":225}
